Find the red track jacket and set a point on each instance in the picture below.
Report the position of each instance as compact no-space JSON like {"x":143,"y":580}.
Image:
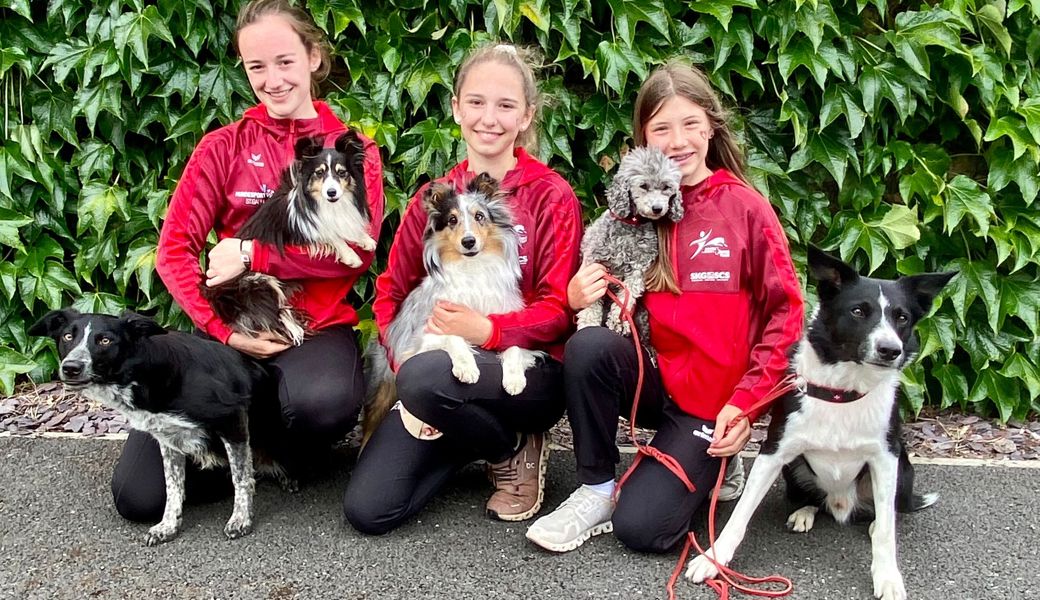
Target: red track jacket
{"x":233,"y":171}
{"x":548,"y":222}
{"x":725,"y":339}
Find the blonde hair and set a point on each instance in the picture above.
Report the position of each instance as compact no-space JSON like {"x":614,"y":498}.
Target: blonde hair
{"x":301,"y":22}
{"x":521,"y":59}
{"x":679,"y":78}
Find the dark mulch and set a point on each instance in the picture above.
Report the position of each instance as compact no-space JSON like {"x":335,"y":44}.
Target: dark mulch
{"x":935,"y":434}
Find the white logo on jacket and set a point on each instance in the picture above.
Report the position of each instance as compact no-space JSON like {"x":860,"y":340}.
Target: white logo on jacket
{"x":257,"y":160}
{"x":710,"y":245}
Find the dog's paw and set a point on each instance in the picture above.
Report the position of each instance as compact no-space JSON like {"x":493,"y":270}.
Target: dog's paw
{"x":289,"y":484}
{"x":802,"y":520}
{"x":889,"y":586}
{"x":700,"y":569}
{"x":367,"y":244}
{"x":237,"y":527}
{"x":513,"y":383}
{"x":465,"y":371}
{"x":159,"y":534}
{"x":351,"y":261}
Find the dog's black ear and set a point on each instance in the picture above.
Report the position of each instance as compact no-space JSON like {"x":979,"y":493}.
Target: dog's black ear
{"x":349,"y":143}
{"x":925,"y":287}
{"x":434,"y":196}
{"x":830,"y":273}
{"x":141,"y":326}
{"x":308,"y":147}
{"x":483,"y":184}
{"x":675,"y":206}
{"x":53,"y":322}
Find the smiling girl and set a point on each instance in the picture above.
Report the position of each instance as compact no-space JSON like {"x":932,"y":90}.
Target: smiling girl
{"x":725,"y":308}
{"x":495,"y":104}
{"x":317,"y":386}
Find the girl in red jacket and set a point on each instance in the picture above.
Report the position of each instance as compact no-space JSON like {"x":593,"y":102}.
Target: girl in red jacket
{"x":233,"y":170}
{"x":725,"y":309}
{"x":495,"y":103}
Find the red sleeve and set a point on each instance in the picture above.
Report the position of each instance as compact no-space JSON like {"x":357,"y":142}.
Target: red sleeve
{"x":298,"y":264}
{"x":404,"y":267}
{"x":547,"y":318}
{"x":196,"y":202}
{"x":777,"y":297}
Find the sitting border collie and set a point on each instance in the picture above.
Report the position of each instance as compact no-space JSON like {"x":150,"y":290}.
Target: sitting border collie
{"x":320,"y":205}
{"x":191,"y":394}
{"x":837,"y":436}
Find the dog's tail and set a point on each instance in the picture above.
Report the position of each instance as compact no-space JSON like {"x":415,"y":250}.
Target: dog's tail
{"x":382,"y":389}
{"x":919,"y":502}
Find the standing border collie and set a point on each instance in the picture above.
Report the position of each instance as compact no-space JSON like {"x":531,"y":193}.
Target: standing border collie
{"x":837,"y":436}
{"x":472,"y":258}
{"x":191,"y":394}
{"x":320,"y":205}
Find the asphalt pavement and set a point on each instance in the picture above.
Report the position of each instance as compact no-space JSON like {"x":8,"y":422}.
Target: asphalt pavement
{"x":61,"y":538}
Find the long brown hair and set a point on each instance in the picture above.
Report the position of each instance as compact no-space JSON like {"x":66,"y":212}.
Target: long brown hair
{"x":522,"y":60}
{"x":679,"y":78}
{"x":301,"y":22}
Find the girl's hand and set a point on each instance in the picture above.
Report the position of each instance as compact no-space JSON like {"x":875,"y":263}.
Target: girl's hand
{"x":224,"y":262}
{"x":262,"y":346}
{"x":734,"y":441}
{"x":449,"y":318}
{"x":587,"y":286}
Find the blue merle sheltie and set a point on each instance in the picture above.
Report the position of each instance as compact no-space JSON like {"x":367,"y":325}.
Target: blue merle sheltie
{"x":319,"y":205}
{"x":471,"y":257}
{"x":837,"y":436}
{"x":193,"y":395}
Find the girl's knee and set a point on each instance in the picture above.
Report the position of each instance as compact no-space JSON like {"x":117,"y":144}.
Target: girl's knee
{"x":638,"y":532}
{"x":135,"y":503}
{"x":367,"y":514}
{"x":593,"y":347}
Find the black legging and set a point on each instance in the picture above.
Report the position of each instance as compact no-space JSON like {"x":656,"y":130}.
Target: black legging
{"x":397,"y":475}
{"x":320,"y":388}
{"x":654,"y":508}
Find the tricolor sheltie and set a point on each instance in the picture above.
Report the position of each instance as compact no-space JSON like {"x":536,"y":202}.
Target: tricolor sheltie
{"x":471,"y":258}
{"x":319,"y":205}
{"x":837,"y":436}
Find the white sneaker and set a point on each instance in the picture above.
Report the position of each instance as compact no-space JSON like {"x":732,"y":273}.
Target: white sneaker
{"x":733,"y":484}
{"x":581,"y":516}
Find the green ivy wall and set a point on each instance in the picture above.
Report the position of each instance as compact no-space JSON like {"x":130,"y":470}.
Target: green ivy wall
{"x":902,"y":136}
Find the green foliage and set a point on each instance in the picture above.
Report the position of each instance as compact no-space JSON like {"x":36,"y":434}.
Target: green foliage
{"x":902,"y":136}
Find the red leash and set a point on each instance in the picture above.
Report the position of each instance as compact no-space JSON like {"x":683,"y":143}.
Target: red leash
{"x":727,"y":577}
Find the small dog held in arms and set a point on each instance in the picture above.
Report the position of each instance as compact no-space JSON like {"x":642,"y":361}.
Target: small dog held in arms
{"x":191,"y":394}
{"x":471,"y":257}
{"x":624,"y":238}
{"x":837,"y":436}
{"x":320,"y":205}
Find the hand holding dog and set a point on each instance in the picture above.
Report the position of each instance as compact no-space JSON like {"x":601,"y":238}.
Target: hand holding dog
{"x":224,"y":261}
{"x":587,"y":286}
{"x":449,"y":318}
{"x":264,"y":345}
{"x":734,"y":440}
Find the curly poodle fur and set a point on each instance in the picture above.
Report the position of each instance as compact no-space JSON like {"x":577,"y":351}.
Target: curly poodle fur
{"x":624,"y":238}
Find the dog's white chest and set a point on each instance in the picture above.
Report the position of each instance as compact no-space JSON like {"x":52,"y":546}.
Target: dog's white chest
{"x":170,"y":430}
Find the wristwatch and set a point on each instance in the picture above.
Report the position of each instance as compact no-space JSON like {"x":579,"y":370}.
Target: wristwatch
{"x":245,"y":247}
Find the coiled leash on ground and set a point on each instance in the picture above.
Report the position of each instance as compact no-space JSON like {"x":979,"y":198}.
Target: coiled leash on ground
{"x":727,"y":578}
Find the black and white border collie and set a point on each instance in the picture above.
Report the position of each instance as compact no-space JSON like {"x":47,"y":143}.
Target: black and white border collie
{"x":471,"y":254}
{"x":191,"y":394}
{"x":837,"y":437}
{"x":319,"y":205}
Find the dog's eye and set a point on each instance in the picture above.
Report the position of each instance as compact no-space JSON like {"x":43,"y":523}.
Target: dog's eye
{"x":67,"y":337}
{"x":858,"y":312}
{"x":341,"y":171}
{"x":105,"y":341}
{"x":902,"y":319}
{"x":479,"y":217}
{"x":453,"y":220}
{"x":320,"y":171}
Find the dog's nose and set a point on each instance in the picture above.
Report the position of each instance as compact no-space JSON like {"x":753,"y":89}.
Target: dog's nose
{"x":889,"y":352}
{"x":71,"y":369}
{"x":332,"y":194}
{"x":657,"y":210}
{"x":468,"y":242}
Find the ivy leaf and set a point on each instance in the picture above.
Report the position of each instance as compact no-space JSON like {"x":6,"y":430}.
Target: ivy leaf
{"x":802,"y":54}
{"x":964,"y":197}
{"x":975,"y":279}
{"x":605,"y":118}
{"x":435,"y":139}
{"x":101,"y":302}
{"x":1015,"y":130}
{"x":1018,"y":367}
{"x":139,"y":263}
{"x":421,"y":78}
{"x":216,"y":83}
{"x":97,"y":203}
{"x":1030,"y":111}
{"x":913,"y":380}
{"x":937,"y":332}
{"x":94,"y":157}
{"x":8,"y":279}
{"x":1020,"y":299}
{"x":616,"y":61}
{"x":537,"y":13}
{"x":179,"y":77}
{"x":104,"y":253}
{"x":134,"y":29}
{"x":900,"y":225}
{"x":992,"y":18}
{"x":10,"y":221}
{"x":12,"y":364}
{"x":838,"y":100}
{"x":1002,"y":391}
{"x":1005,"y":168}
{"x":67,"y":56}
{"x":887,"y":81}
{"x":857,"y":235}
{"x":954,"y":385}
{"x":720,"y":9}
{"x":106,"y":95}
{"x":43,"y":278}
{"x":833,"y":152}
{"x":10,"y":57}
{"x":629,"y":14}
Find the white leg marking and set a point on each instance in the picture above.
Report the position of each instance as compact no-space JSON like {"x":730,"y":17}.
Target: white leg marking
{"x":888,"y":581}
{"x":173,"y":470}
{"x":240,"y":460}
{"x":513,"y":379}
{"x":802,"y":520}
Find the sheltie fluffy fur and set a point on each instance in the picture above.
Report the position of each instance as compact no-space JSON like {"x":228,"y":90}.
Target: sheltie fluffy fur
{"x":837,"y":436}
{"x":319,"y":205}
{"x":471,"y":256}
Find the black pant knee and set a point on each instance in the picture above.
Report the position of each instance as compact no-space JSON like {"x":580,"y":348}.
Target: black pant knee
{"x":633,"y":530}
